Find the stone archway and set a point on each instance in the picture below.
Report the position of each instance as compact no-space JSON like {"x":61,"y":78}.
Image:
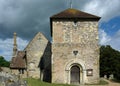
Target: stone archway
{"x":80,"y":67}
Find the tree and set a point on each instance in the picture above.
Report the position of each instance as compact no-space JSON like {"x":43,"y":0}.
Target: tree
{"x":109,"y":62}
{"x":3,"y":62}
{"x":117,"y":67}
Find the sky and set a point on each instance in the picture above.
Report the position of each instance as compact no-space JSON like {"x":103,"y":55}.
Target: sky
{"x":27,"y":17}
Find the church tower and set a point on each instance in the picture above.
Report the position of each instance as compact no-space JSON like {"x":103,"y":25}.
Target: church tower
{"x":75,"y":49}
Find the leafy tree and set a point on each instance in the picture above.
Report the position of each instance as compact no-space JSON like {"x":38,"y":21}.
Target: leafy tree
{"x":3,"y":62}
{"x":109,"y":62}
{"x":117,"y":67}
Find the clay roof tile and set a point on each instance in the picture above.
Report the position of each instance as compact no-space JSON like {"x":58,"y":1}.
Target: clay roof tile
{"x":73,"y":13}
{"x":18,"y":61}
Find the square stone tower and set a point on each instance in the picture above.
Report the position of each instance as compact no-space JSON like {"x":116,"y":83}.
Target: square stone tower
{"x":75,"y":49}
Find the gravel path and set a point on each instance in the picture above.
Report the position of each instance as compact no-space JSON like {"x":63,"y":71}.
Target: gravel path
{"x":111,"y":83}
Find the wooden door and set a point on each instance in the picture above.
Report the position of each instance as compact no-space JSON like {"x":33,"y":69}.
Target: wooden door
{"x":75,"y":75}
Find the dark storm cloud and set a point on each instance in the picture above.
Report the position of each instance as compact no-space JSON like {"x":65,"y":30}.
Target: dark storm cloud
{"x":27,"y":17}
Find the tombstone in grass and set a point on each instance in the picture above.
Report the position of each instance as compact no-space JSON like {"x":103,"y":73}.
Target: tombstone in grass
{"x":111,"y":76}
{"x":105,"y":76}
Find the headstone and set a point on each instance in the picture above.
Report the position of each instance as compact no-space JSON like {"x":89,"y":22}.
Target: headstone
{"x":111,"y":76}
{"x":105,"y":76}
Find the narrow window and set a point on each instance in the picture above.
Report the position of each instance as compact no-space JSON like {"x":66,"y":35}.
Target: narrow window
{"x":75,"y":23}
{"x":22,"y":71}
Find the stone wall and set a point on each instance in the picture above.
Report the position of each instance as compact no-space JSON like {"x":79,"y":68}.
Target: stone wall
{"x":17,"y":72}
{"x":36,"y":55}
{"x":6,"y":69}
{"x":8,"y":79}
{"x":70,"y":36}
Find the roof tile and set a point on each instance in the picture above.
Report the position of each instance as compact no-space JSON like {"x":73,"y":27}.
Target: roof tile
{"x":19,"y":60}
{"x":73,"y":13}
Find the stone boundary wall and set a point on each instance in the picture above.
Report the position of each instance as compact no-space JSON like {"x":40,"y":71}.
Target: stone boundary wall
{"x":5,"y":74}
{"x":7,"y":79}
{"x":6,"y":69}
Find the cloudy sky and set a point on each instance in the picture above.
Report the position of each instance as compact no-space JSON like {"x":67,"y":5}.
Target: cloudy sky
{"x":27,"y":17}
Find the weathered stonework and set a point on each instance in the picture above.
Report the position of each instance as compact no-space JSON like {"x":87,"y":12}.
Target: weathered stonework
{"x":38,"y":56}
{"x":73,"y":55}
{"x":69,"y":37}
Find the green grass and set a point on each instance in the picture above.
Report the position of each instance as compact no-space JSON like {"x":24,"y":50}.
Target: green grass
{"x":36,"y":82}
{"x":103,"y":82}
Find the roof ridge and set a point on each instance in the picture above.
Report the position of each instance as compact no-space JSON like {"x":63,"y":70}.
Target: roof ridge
{"x":72,"y":13}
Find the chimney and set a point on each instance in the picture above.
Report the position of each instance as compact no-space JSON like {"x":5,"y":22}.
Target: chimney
{"x":15,"y":45}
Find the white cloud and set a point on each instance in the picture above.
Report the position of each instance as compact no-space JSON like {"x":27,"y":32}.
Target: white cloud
{"x":106,"y":9}
{"x":6,"y":47}
{"x":104,"y":38}
{"x":114,"y":41}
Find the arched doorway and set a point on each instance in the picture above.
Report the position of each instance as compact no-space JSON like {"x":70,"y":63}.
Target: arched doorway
{"x":75,"y":75}
{"x":79,"y":66}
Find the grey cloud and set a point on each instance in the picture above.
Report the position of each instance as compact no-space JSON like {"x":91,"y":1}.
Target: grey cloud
{"x":27,"y":17}
{"x":104,"y":8}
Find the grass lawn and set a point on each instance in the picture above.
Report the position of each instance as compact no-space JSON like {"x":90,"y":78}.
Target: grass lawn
{"x":36,"y":82}
{"x":103,"y":82}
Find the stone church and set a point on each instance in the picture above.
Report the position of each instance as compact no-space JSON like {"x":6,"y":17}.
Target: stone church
{"x":71,"y":58}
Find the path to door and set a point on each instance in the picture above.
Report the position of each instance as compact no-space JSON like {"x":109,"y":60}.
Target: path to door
{"x":111,"y":83}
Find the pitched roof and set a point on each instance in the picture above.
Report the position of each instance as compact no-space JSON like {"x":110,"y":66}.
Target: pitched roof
{"x":38,"y":36}
{"x":18,"y":61}
{"x":73,"y":13}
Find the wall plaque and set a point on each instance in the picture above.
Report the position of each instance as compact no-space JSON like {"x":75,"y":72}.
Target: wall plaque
{"x":89,"y":72}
